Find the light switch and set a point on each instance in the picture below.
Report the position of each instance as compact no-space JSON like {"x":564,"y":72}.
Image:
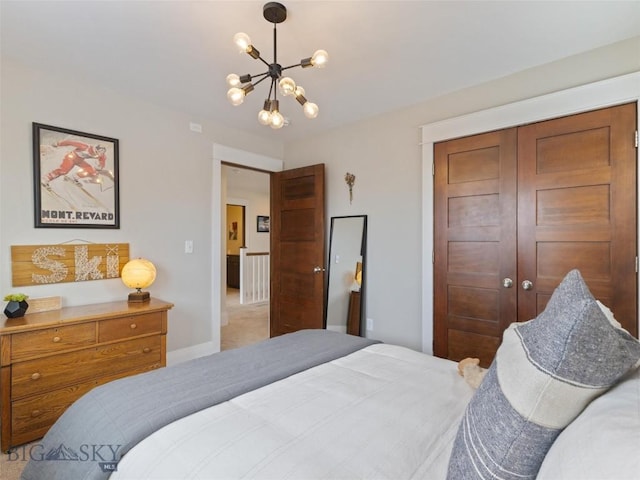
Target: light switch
{"x":188,"y":246}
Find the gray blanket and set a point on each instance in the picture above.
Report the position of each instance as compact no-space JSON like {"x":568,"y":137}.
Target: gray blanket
{"x":98,"y":429}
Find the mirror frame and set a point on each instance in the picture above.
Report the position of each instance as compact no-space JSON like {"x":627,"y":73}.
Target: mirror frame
{"x":363,"y":254}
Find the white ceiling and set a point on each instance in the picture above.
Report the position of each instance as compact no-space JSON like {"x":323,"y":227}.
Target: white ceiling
{"x":384,"y":55}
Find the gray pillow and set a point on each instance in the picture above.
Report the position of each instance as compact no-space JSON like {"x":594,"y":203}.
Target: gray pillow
{"x":545,"y":373}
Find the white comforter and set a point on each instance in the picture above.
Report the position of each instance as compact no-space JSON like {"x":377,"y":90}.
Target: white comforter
{"x":382,"y":412}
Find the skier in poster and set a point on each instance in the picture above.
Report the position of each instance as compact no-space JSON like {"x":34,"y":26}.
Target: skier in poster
{"x":90,"y":161}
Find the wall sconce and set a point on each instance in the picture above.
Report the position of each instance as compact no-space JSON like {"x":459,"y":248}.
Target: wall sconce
{"x":138,"y":273}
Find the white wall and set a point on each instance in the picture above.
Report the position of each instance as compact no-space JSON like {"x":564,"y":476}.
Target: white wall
{"x":166,"y":185}
{"x":255,"y":204}
{"x":384,"y":153}
{"x":165,"y":191}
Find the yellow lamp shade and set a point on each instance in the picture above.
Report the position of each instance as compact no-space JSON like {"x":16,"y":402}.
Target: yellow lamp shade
{"x":138,"y":273}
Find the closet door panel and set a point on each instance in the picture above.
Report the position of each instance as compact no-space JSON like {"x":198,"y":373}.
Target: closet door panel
{"x":475,"y":209}
{"x":577,"y":209}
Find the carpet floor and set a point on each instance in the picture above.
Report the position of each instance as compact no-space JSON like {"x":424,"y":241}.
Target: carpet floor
{"x":247,"y":324}
{"x":12,"y":463}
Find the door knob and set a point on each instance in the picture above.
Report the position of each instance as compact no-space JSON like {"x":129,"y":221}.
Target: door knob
{"x":527,"y":285}
{"x":318,"y":269}
{"x":507,"y":282}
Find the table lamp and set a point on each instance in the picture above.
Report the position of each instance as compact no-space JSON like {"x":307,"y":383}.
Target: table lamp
{"x":138,"y":273}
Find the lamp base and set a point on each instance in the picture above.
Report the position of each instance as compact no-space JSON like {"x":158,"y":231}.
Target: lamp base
{"x":139,"y":297}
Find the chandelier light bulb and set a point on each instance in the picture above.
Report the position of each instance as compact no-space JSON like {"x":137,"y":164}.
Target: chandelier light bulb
{"x":243,"y":42}
{"x":310,"y":110}
{"x":277,"y":120}
{"x":235,"y":95}
{"x":233,"y":80}
{"x":287,"y":86}
{"x":299,"y":92}
{"x":264,"y":117}
{"x":319,"y":58}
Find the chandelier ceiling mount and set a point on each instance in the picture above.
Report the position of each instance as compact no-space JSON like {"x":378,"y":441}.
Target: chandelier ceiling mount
{"x":241,"y":86}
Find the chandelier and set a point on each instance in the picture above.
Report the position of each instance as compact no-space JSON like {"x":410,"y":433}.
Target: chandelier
{"x":241,"y":86}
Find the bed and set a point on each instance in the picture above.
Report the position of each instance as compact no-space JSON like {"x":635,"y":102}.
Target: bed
{"x":318,"y":404}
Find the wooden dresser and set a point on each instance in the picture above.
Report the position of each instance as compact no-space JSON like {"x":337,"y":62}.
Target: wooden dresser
{"x":49,"y":359}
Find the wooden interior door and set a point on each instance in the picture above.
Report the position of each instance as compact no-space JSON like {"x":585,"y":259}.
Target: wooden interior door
{"x":297,"y":249}
{"x":577,"y":209}
{"x":475,"y":244}
{"x":573,"y":204}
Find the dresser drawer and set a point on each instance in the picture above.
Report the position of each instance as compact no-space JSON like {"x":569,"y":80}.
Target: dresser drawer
{"x":38,"y":376}
{"x":34,"y":415}
{"x":121,"y":328}
{"x":51,"y":340}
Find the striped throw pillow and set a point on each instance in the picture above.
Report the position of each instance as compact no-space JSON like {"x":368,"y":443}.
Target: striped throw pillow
{"x":545,"y":373}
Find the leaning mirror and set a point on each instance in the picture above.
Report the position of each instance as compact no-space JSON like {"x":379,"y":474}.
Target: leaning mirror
{"x":346,"y":274}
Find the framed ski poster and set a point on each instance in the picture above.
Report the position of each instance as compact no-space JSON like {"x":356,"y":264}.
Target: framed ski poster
{"x":75,"y":179}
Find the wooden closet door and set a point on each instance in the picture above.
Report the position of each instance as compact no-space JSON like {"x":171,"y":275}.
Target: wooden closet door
{"x":577,"y":209}
{"x":575,"y":180}
{"x":475,"y":244}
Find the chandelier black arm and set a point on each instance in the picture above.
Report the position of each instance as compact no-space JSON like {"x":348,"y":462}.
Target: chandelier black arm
{"x":251,"y":77}
{"x":271,"y":89}
{"x":291,"y":66}
{"x":265,"y":76}
{"x":262,"y":60}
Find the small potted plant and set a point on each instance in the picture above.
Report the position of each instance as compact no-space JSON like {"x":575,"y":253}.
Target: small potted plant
{"x":17,"y":305}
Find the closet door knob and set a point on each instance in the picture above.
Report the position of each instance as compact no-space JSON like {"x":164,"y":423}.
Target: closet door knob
{"x":527,"y":285}
{"x":507,"y":282}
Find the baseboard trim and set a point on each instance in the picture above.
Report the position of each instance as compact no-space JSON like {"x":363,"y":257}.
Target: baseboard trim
{"x":189,"y":353}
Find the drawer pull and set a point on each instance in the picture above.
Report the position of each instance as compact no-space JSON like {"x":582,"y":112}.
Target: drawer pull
{"x":56,"y":339}
{"x":36,"y":413}
{"x":133,"y":326}
{"x":35,"y":376}
{"x":146,"y":350}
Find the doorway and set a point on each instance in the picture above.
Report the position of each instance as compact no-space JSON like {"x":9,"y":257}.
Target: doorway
{"x":228,"y":155}
{"x":235,"y":241}
{"x":247,"y":200}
